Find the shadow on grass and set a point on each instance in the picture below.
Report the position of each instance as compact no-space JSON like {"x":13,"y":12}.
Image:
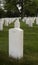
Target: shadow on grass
{"x":26,"y":60}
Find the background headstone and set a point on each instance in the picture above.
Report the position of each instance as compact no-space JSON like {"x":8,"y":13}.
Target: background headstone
{"x":1,"y":24}
{"x":17,"y":23}
{"x":37,"y":20}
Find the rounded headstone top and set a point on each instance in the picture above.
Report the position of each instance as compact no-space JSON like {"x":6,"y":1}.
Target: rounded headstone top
{"x":17,"y":24}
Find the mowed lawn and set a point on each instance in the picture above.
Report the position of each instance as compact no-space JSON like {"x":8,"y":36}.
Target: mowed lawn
{"x":30,"y":45}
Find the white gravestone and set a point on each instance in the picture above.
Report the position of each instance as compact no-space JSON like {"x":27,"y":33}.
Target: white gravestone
{"x":30,"y":21}
{"x":24,"y":19}
{"x":7,"y":21}
{"x":17,"y":24}
{"x":16,"y":41}
{"x":1,"y":24}
{"x":37,"y":20}
{"x":12,"y":20}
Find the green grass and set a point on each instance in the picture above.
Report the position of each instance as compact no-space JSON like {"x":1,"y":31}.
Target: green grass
{"x":30,"y":46}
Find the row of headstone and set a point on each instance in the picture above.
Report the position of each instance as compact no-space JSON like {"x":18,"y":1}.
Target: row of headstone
{"x":6,"y":22}
{"x":28,"y":20}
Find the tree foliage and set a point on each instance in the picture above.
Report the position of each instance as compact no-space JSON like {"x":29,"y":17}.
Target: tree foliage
{"x":30,"y":7}
{"x":2,"y":13}
{"x":11,"y":5}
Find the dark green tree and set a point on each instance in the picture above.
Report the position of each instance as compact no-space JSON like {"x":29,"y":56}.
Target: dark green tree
{"x":2,"y":13}
{"x":11,"y":7}
{"x":30,"y":7}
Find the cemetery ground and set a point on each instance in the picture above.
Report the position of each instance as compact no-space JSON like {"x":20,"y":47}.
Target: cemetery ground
{"x":30,"y":46}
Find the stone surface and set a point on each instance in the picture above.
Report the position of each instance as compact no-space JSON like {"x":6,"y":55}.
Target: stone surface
{"x":6,"y":21}
{"x":17,"y":24}
{"x":30,"y":21}
{"x":37,"y":20}
{"x":1,"y":24}
{"x":24,"y":19}
{"x":16,"y":41}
